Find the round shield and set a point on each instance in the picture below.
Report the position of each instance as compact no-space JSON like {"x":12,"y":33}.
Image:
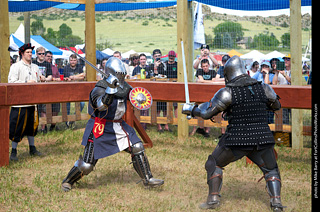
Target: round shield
{"x":140,"y":98}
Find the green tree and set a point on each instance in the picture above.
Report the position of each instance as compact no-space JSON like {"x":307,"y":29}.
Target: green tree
{"x":64,"y":31}
{"x":265,"y":41}
{"x":227,"y":34}
{"x":285,"y":40}
{"x":37,"y":28}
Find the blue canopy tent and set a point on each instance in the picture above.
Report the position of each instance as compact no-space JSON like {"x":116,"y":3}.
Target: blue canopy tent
{"x":37,"y":40}
{"x":250,"y":5}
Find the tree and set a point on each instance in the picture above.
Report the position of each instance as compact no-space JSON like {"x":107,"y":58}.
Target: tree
{"x":285,"y":40}
{"x":37,"y":28}
{"x":227,"y":34}
{"x":64,"y":31}
{"x":265,"y":42}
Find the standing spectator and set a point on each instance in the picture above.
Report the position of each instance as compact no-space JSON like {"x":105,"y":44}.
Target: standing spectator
{"x":254,"y":69}
{"x":56,"y":78}
{"x":117,"y":54}
{"x":171,"y":72}
{"x":205,"y":54}
{"x":136,"y":71}
{"x":220,"y":76}
{"x":220,"y":73}
{"x":44,"y":66}
{"x":142,"y":65}
{"x":102,"y":66}
{"x":157,"y":66}
{"x":284,"y":77}
{"x":73,"y":72}
{"x":171,"y":65}
{"x":264,"y":74}
{"x":133,"y":62}
{"x":45,"y":70}
{"x":24,"y":119}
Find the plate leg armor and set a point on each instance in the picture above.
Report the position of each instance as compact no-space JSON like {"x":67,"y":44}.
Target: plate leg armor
{"x":273,"y":182}
{"x":214,"y":180}
{"x":83,"y":166}
{"x":142,"y":167}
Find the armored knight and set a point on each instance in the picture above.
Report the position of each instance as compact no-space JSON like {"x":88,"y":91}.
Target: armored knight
{"x":244,"y":101}
{"x":106,"y":132}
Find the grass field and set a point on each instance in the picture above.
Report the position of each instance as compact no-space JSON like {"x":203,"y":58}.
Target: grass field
{"x":33,"y":184}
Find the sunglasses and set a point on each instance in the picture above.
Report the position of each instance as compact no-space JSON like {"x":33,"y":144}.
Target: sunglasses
{"x":40,"y":53}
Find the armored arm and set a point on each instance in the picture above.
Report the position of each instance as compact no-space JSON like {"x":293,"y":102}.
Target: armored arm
{"x":220,"y":102}
{"x":273,"y":99}
{"x":103,"y":93}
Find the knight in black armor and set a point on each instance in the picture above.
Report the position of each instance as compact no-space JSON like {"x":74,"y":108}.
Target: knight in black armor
{"x":106,"y":132}
{"x":244,"y":102}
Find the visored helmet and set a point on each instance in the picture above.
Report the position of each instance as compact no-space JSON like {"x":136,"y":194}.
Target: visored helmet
{"x":115,"y":67}
{"x":233,"y":68}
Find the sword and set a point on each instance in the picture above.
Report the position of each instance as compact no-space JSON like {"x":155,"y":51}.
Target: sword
{"x":186,"y":88}
{"x":93,"y":66}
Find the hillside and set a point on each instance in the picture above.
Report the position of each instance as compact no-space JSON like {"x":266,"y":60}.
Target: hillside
{"x":145,"y":30}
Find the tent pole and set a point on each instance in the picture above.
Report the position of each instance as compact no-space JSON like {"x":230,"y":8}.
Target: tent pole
{"x":90,"y":39}
{"x":296,"y":72}
{"x":185,"y":34}
{"x":4,"y":39}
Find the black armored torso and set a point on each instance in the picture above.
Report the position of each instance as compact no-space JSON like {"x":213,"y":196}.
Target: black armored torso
{"x":247,"y":117}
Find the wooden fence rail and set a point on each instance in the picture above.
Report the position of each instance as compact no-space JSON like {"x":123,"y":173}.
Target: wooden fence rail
{"x":43,"y":93}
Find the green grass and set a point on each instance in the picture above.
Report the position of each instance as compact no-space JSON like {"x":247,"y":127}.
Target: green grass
{"x":33,"y":183}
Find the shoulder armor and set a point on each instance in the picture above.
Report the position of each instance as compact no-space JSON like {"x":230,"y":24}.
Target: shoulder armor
{"x":123,"y":92}
{"x":271,"y":95}
{"x":102,"y":84}
{"x":273,"y":99}
{"x":223,"y":97}
{"x":219,"y":103}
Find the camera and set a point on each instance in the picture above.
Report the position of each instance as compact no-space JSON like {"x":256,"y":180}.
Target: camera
{"x":158,"y":59}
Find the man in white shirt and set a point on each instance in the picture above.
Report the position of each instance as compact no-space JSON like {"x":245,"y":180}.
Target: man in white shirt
{"x":24,"y":119}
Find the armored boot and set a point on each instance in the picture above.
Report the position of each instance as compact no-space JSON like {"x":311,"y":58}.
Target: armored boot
{"x":73,"y":176}
{"x":274,"y":190}
{"x":141,"y":165}
{"x":214,"y":183}
{"x":83,"y":166}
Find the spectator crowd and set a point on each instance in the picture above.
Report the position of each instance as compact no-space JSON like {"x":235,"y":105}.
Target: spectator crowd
{"x":44,"y":69}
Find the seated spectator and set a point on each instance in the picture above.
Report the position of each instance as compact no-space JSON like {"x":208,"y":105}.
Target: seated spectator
{"x":205,"y":54}
{"x":220,"y":73}
{"x":205,"y":75}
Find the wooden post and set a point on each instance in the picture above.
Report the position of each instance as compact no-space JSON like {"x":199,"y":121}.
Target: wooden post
{"x":185,"y":34}
{"x":4,"y":39}
{"x":90,"y":39}
{"x":296,"y":69}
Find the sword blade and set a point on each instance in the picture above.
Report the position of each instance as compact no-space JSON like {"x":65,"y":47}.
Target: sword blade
{"x":186,"y":88}
{"x":90,"y":64}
